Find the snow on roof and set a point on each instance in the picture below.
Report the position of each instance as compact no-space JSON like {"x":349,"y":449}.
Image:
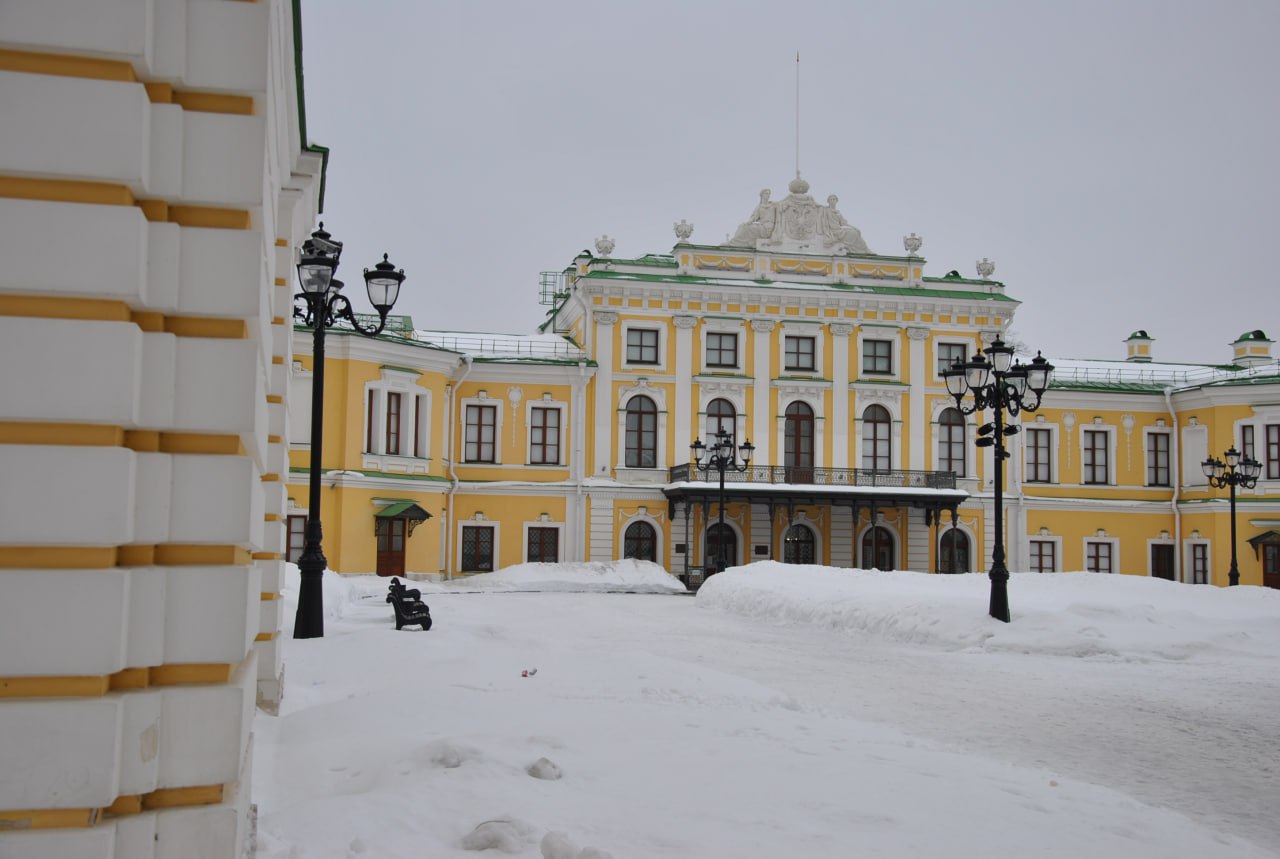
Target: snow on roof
{"x":1094,"y":372}
{"x":503,"y":346}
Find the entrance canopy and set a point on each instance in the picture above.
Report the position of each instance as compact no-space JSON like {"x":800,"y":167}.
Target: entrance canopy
{"x":406,"y":510}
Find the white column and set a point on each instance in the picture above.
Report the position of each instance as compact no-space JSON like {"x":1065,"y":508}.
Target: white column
{"x":919,"y":419}
{"x":605,"y":320}
{"x":684,"y":387}
{"x":840,"y":332}
{"x":760,"y":390}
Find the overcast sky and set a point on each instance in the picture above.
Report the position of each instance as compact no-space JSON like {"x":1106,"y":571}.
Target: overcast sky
{"x":1117,"y":159}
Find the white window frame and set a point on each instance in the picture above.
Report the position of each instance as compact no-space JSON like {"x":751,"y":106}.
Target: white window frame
{"x":1110,"y":432}
{"x":1188,"y":567}
{"x":640,"y":325}
{"x":1114,"y":542}
{"x":1147,"y":433}
{"x":555,"y":405}
{"x":718,"y":325}
{"x":658,"y":536}
{"x":888,"y":335}
{"x":659,"y":396}
{"x":899,"y":549}
{"x":967,"y":446}
{"x":497,"y":541}
{"x":965,"y":345}
{"x":524,"y":538}
{"x":803,"y":329}
{"x":1052,"y":429}
{"x":895,"y":430}
{"x":498,"y":422}
{"x":404,"y":383}
{"x":1057,"y":551}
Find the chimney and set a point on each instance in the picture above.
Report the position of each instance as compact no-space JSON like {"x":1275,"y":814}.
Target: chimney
{"x":1139,"y":343}
{"x":1252,"y":348}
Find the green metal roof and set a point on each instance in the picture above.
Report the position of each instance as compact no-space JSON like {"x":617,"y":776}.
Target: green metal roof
{"x":402,"y":510}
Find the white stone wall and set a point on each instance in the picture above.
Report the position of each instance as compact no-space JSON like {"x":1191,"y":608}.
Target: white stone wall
{"x":153,"y":188}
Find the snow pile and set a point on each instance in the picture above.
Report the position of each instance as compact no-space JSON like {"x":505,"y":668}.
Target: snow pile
{"x":1074,"y":614}
{"x":625,"y":576}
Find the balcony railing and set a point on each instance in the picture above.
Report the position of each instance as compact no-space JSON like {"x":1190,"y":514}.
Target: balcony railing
{"x":790,"y":475}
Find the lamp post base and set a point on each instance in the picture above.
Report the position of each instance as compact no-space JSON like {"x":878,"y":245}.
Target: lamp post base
{"x":999,"y":608}
{"x":309,"y":620}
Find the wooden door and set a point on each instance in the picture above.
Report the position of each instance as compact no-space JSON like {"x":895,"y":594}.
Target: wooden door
{"x":1162,"y":561}
{"x":390,"y":547}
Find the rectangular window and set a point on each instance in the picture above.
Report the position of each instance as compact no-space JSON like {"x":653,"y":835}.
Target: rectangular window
{"x":1158,"y":459}
{"x":1044,"y":556}
{"x":877,"y":356}
{"x":1199,"y":564}
{"x":1094,"y":466}
{"x":295,"y":536}
{"x":482,"y":424}
{"x":417,"y":426}
{"x":543,"y":545}
{"x":368,"y":424}
{"x":1097,"y":557}
{"x":393,"y":423}
{"x":1038,"y":470}
{"x":477,"y":548}
{"x":948,"y":354}
{"x":1273,"y":451}
{"x":1246,"y":442}
{"x":799,"y":353}
{"x":642,"y":346}
{"x":544,"y":436}
{"x":722,"y":350}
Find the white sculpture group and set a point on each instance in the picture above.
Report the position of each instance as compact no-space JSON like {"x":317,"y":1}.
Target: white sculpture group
{"x":798,"y":220}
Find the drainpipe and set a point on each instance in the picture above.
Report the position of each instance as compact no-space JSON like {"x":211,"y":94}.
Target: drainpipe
{"x":579,"y":406}
{"x":447,"y":542}
{"x":1175,"y":478}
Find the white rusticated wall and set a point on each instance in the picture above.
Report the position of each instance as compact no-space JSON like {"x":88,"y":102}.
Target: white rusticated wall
{"x":153,"y":188}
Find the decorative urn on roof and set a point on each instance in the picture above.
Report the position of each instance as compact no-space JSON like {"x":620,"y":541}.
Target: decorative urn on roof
{"x":684,"y":230}
{"x":604,"y":246}
{"x":986,"y":268}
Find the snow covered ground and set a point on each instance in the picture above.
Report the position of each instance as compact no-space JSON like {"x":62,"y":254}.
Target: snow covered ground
{"x":783,"y":712}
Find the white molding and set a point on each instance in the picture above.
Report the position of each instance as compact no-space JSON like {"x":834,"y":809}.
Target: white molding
{"x":498,"y":422}
{"x":557,"y":405}
{"x":496,"y":525}
{"x":524,"y":538}
{"x":1115,"y":551}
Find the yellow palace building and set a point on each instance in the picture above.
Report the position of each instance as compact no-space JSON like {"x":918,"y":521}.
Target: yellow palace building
{"x":449,"y":453}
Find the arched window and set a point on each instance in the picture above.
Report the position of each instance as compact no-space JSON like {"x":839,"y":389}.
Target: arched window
{"x":721,"y":415}
{"x":953,"y":551}
{"x":951,"y":441}
{"x":875,"y":438}
{"x":722,"y":543}
{"x":642,"y":433}
{"x":877,"y":549}
{"x":798,"y":443}
{"x":640,"y":542}
{"x":799,"y":546}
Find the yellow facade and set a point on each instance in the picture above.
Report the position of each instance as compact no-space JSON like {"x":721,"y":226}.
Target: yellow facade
{"x":832,"y":367}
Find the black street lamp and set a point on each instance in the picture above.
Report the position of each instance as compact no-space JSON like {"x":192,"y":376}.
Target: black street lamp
{"x":720,"y":457}
{"x":323,"y":305}
{"x":1001,"y":385}
{"x":1236,"y":471}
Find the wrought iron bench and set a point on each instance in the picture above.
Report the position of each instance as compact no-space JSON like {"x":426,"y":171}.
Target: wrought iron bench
{"x":409,"y":608}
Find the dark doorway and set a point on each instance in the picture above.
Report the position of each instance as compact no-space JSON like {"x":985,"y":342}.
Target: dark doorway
{"x":877,"y":549}
{"x":722,"y":542}
{"x":1162,"y":561}
{"x":953,"y":552}
{"x":799,"y":546}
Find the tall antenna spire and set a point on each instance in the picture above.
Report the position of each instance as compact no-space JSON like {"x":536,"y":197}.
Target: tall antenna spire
{"x":797,"y":114}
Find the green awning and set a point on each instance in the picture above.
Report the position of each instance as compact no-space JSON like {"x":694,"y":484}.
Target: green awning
{"x":403,"y":510}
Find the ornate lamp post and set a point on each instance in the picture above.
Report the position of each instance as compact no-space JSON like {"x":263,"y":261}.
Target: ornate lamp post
{"x":1236,"y":471}
{"x":322,"y":306}
{"x":999,"y":384}
{"x":720,"y":457}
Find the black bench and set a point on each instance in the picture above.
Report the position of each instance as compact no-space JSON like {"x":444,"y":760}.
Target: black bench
{"x":409,"y":607}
